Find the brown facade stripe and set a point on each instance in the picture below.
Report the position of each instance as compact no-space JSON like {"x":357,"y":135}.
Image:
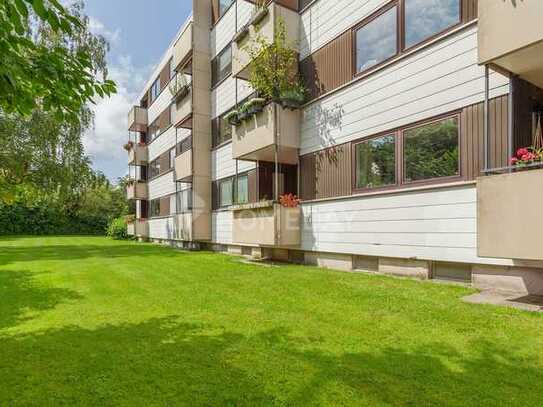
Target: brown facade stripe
{"x":165,"y":75}
{"x":469,"y":10}
{"x":330,"y":67}
{"x":165,"y":206}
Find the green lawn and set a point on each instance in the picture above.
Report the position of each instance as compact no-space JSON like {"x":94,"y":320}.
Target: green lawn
{"x":90,"y":321}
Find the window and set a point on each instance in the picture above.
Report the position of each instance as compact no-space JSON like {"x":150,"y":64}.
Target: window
{"x":426,"y":18}
{"x":377,"y":40}
{"x":222,"y":130}
{"x":155,"y":90}
{"x":184,"y":201}
{"x":221,"y":66}
{"x":225,"y":192}
{"x":184,"y":146}
{"x":431,"y":151}
{"x":154,"y":131}
{"x":242,"y":189}
{"x":154,"y":168}
{"x":376,"y":162}
{"x":224,"y":5}
{"x":154,"y":209}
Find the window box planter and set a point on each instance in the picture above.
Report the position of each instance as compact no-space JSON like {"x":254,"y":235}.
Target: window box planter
{"x":258,"y":15}
{"x":241,"y":34}
{"x":255,"y":105}
{"x":233,"y":118}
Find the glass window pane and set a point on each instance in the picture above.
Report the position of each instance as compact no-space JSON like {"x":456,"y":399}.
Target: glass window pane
{"x":431,"y":151}
{"x":224,"y":5}
{"x":425,"y":18}
{"x":242,"y":190}
{"x":225,"y":130}
{"x":376,"y":162}
{"x":224,"y":63}
{"x":226,"y":192}
{"x":377,"y":40}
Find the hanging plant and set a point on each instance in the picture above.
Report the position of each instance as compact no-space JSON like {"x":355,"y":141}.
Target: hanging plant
{"x":243,"y":113}
{"x":255,"y":105}
{"x":293,"y":98}
{"x":232,"y":117}
{"x":128,"y":146}
{"x":259,"y":12}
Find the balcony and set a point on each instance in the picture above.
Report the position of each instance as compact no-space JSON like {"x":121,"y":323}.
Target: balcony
{"x":264,"y":22}
{"x":137,"y":190}
{"x":138,"y":228}
{"x":183,"y":167}
{"x":138,"y":154}
{"x":137,"y":119}
{"x":180,"y":86}
{"x":509,"y":216}
{"x":182,"y":49}
{"x":182,"y":116}
{"x":266,"y":224}
{"x":511,"y":37}
{"x":254,"y":139}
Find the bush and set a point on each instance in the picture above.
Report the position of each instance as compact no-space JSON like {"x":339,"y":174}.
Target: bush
{"x":117,"y":229}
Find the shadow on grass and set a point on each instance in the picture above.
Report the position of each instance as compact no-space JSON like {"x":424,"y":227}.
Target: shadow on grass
{"x":167,"y":362}
{"x":20,"y":295}
{"x":79,"y":252}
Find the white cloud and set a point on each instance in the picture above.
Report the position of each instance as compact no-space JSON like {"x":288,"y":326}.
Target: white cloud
{"x":103,"y":143}
{"x":98,"y":28}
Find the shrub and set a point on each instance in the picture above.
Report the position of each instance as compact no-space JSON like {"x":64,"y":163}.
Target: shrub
{"x":117,"y":229}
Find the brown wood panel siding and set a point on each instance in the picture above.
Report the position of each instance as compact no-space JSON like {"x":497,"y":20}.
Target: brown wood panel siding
{"x":307,"y":177}
{"x":329,"y":67}
{"x":472,"y":136}
{"x":165,"y":206}
{"x":333,"y":172}
{"x":164,"y":120}
{"x":469,"y":10}
{"x":215,"y":11}
{"x":527,"y":99}
{"x":165,"y":75}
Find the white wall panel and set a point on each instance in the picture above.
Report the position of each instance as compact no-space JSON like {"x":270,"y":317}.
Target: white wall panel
{"x":162,"y":186}
{"x":439,"y":79}
{"x":437,"y":224}
{"x":162,"y":228}
{"x":162,"y":143}
{"x":221,"y":227}
{"x":223,"y":32}
{"x":161,"y":103}
{"x":223,"y":97}
{"x":222,"y":164}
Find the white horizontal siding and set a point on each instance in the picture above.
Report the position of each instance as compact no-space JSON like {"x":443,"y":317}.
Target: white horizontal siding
{"x":223,"y":97}
{"x":245,"y":9}
{"x":437,"y":224}
{"x":223,"y":32}
{"x":326,"y":19}
{"x":162,"y":143}
{"x":162,"y":228}
{"x":222,"y":164}
{"x":439,"y":79}
{"x":162,"y":186}
{"x":162,"y":102}
{"x":221,"y":227}
{"x":244,"y":89}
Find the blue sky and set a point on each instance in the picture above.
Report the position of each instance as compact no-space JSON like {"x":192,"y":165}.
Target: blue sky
{"x":139,"y":31}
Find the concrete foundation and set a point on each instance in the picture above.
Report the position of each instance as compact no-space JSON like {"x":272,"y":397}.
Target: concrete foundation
{"x":521,"y":280}
{"x":405,"y":268}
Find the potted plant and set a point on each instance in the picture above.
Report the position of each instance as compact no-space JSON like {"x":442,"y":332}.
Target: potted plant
{"x":232,"y":117}
{"x":292,"y":98}
{"x":243,"y":113}
{"x":526,"y":156}
{"x":260,"y":11}
{"x":255,"y":105}
{"x":128,"y":146}
{"x":289,"y":201}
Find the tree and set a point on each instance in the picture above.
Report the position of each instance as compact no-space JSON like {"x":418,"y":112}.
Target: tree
{"x":47,"y":59}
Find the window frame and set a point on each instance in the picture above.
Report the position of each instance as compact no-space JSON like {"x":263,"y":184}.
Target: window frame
{"x":397,"y":183}
{"x":433,"y":36}
{"x":236,"y":190}
{"x":369,"y":20}
{"x":152,"y":97}
{"x":400,"y":158}
{"x":451,"y":178}
{"x":220,"y":183}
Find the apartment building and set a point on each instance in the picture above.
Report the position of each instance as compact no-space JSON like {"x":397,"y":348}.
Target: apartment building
{"x":400,"y":154}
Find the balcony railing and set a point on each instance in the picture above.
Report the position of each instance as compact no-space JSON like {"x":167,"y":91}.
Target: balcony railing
{"x":509,"y":215}
{"x":138,"y":228}
{"x":137,"y":119}
{"x":267,"y":224}
{"x":263,"y":23}
{"x":180,"y":86}
{"x":255,"y":138}
{"x":137,"y":190}
{"x":510,"y":35}
{"x":138,"y":154}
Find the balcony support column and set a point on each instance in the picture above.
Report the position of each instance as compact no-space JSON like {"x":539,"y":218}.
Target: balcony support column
{"x":486,"y":122}
{"x":511,"y":116}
